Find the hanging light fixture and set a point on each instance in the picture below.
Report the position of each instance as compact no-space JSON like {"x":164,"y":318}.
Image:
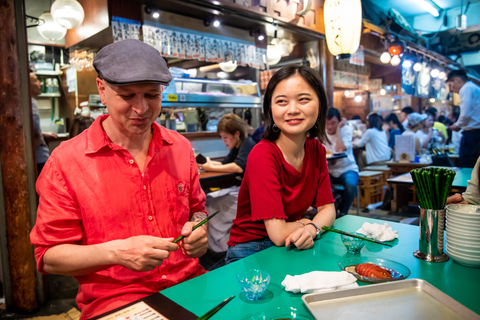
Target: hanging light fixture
{"x":228,"y":66}
{"x":385,"y":57}
{"x":274,"y":54}
{"x":434,"y":73}
{"x":417,"y":67}
{"x":50,"y":30}
{"x":442,"y":75}
{"x":67,"y":13}
{"x":343,"y":26}
{"x":396,"y":48}
{"x":395,"y":61}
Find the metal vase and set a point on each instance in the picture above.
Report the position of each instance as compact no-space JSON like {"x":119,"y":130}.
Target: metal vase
{"x":432,"y":226}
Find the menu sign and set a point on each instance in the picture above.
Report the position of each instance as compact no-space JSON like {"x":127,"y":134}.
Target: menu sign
{"x":189,"y":44}
{"x":138,"y":311}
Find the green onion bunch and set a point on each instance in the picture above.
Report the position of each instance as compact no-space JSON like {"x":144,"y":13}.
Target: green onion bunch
{"x":432,"y":185}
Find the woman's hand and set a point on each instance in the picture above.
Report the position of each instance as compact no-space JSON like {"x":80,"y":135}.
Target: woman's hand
{"x":207,"y":165}
{"x":302,"y":238}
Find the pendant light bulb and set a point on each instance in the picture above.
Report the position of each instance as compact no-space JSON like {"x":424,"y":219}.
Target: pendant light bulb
{"x":395,"y":61}
{"x":67,"y":13}
{"x":385,"y":57}
{"x":417,"y":67}
{"x":50,"y":30}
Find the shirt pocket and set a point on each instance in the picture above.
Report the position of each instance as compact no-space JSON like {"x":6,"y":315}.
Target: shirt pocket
{"x":179,"y":192}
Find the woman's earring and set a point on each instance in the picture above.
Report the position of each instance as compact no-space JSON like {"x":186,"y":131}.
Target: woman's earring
{"x":316,"y":124}
{"x":275,"y":128}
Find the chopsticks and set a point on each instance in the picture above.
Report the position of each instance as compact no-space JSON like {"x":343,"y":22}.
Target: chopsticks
{"x":210,"y":313}
{"x":197,"y":226}
{"x":347,"y":234}
{"x":355,"y":236}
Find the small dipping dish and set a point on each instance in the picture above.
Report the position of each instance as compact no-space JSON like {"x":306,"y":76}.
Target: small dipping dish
{"x":253,"y":283}
{"x":353,"y":245}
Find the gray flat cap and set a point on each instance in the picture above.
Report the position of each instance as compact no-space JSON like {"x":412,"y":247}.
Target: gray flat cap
{"x":131,"y":61}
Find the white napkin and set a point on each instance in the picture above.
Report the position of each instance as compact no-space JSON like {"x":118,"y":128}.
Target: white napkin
{"x":319,"y":281}
{"x":378,"y":232}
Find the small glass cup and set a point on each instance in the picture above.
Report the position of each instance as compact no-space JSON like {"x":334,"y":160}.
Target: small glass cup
{"x":353,"y":245}
{"x":253,"y":283}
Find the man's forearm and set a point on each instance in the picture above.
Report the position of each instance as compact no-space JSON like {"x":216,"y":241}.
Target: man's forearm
{"x":198,"y":216}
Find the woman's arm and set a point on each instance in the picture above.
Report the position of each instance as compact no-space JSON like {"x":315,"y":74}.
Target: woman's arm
{"x":363,"y":140}
{"x":279,"y":230}
{"x":219,"y":167}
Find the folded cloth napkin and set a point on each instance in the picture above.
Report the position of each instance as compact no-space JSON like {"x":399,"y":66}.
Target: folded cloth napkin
{"x":319,"y":281}
{"x":378,"y":232}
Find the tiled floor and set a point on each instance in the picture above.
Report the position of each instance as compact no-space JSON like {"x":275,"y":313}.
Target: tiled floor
{"x":63,"y":289}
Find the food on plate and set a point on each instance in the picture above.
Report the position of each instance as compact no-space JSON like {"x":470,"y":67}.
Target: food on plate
{"x":372,"y":271}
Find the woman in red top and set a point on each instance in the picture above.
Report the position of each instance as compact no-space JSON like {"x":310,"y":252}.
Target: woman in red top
{"x":287,"y":171}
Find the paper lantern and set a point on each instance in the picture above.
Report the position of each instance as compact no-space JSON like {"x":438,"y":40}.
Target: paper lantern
{"x":343,"y":26}
{"x":67,"y":13}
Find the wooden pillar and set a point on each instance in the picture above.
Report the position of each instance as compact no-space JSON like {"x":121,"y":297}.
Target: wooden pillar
{"x":327,"y":63}
{"x":17,"y":164}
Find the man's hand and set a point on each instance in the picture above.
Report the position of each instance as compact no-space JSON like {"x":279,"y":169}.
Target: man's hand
{"x":342,"y":123}
{"x":454,"y":128}
{"x":142,"y":253}
{"x":49,"y":136}
{"x":195,"y":244}
{"x":456,"y":198}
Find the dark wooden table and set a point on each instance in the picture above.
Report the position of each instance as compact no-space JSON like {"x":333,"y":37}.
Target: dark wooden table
{"x":219,"y":180}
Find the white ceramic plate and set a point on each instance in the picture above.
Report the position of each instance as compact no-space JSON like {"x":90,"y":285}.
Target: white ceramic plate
{"x":460,"y":242}
{"x":467,"y":253}
{"x":398,"y":270}
{"x":461,"y":259}
{"x":465,"y":209}
{"x":463,"y":227}
{"x":454,"y":219}
{"x":462,"y":233}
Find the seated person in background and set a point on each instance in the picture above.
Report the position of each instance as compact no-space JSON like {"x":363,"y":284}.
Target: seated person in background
{"x":258,"y":133}
{"x":342,"y":171}
{"x":415,"y":123}
{"x":404,"y":115}
{"x":113,"y":199}
{"x":375,"y":141}
{"x":287,"y":171}
{"x":396,"y":128}
{"x":472,"y":193}
{"x":437,"y":124}
{"x":232,"y":129}
{"x":428,"y":134}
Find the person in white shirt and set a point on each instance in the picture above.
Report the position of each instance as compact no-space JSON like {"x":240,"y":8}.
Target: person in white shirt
{"x":342,"y":171}
{"x":469,"y":119}
{"x":415,"y":124}
{"x":472,"y":193}
{"x":375,"y":141}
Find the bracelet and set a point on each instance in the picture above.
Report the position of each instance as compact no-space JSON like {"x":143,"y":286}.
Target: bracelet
{"x":299,"y":221}
{"x":319,"y":233}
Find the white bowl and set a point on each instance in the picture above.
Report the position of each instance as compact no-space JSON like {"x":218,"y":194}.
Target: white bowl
{"x":464,"y":234}
{"x":466,"y":209}
{"x":463,"y":247}
{"x":462,"y":216}
{"x":462,"y":241}
{"x":466,"y":261}
{"x":463,"y":227}
{"x":461,"y":220}
{"x":474,"y":255}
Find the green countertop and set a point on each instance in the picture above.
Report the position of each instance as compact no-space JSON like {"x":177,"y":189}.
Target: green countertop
{"x":200,"y":294}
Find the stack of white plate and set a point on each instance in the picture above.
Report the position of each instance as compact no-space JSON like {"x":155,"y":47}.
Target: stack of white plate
{"x":463,"y":234}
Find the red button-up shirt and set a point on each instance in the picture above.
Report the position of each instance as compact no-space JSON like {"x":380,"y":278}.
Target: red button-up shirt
{"x":92,"y":191}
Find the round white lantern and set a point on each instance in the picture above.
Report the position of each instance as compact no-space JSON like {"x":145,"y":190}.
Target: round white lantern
{"x":67,"y":13}
{"x":274,"y":54}
{"x":343,"y":26}
{"x":50,"y":30}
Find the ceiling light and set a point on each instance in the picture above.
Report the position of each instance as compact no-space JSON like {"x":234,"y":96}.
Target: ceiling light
{"x":434,"y":73}
{"x":407,"y":64}
{"x":383,"y":92}
{"x":50,"y":30}
{"x":346,"y":93}
{"x":274,"y":54}
{"x":222,"y":75}
{"x":155,"y":15}
{"x":385,"y":57}
{"x":417,"y":67}
{"x":358,"y":98}
{"x":395,"y":61}
{"x":442,"y":75}
{"x":67,"y":13}
{"x":396,"y":48}
{"x":431,"y":7}
{"x":261,"y":37}
{"x":432,"y":100}
{"x":216,"y":23}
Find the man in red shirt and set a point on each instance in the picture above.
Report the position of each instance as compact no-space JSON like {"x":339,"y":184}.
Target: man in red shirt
{"x":113,"y":198}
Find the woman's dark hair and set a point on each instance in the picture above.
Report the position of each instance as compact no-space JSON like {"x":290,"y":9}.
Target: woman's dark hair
{"x":333,"y":112}
{"x":374,"y":121}
{"x":231,"y":123}
{"x":393,"y":117}
{"x":312,"y":78}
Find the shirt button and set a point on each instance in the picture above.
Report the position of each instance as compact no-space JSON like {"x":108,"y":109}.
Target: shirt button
{"x":144,"y":187}
{"x":131,"y":161}
{"x":150,"y":218}
{"x":164,"y":277}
